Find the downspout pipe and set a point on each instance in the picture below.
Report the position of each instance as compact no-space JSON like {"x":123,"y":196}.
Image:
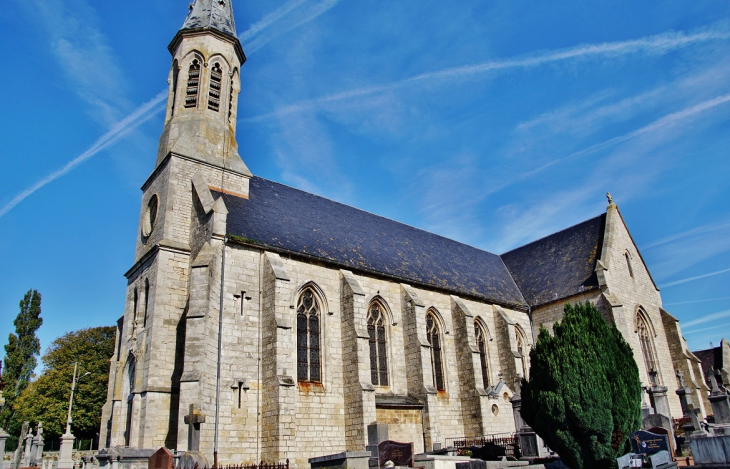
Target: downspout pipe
{"x":220,"y":342}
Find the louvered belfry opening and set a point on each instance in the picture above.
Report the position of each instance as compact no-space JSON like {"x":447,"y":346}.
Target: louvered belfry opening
{"x":191,"y":91}
{"x":214,"y":93}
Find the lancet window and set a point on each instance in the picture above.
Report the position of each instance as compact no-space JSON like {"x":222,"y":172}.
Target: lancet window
{"x":308,"y":337}
{"x":521,"y":342}
{"x":378,"y":353}
{"x":628,"y":264}
{"x":647,"y":345}
{"x":146,"y":302}
{"x":214,"y":93}
{"x":434,"y":339}
{"x":481,"y":339}
{"x":191,"y":91}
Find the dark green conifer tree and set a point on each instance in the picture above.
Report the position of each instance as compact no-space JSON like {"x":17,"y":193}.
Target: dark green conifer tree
{"x":584,"y":394}
{"x":20,"y":360}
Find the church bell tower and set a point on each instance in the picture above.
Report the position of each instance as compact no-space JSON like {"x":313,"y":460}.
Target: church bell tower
{"x":182,"y":226}
{"x":204,"y":83}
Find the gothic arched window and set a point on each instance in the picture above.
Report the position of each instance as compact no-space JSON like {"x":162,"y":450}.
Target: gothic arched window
{"x":308,"y":350}
{"x":434,"y":340}
{"x":214,"y":92}
{"x":643,"y":329}
{"x":191,"y":91}
{"x":521,"y":342}
{"x":135,"y":300}
{"x":378,"y":353}
{"x":481,"y":339}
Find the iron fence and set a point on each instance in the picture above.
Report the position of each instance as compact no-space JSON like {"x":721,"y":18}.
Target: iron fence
{"x":489,"y":447}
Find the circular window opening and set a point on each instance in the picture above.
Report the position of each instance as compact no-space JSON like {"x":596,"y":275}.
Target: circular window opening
{"x":150,"y":216}
{"x":495,"y":409}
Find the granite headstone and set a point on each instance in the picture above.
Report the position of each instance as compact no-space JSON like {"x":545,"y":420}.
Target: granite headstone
{"x":648,"y":443}
{"x":400,"y":453}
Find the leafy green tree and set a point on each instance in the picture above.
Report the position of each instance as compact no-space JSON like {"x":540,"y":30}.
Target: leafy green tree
{"x":584,"y":394}
{"x":46,"y":398}
{"x":20,"y":361}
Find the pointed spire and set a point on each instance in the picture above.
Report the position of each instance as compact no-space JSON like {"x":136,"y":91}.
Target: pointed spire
{"x":215,"y":14}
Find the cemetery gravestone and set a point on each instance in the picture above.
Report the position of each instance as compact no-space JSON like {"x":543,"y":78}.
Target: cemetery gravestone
{"x":648,"y":443}
{"x":400,"y":453}
{"x":162,"y":459}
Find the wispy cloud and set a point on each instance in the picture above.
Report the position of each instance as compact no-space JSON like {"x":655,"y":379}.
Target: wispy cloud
{"x":287,"y":17}
{"x":692,"y":279}
{"x":707,"y":318}
{"x":697,"y":301}
{"x":652,"y":45}
{"x":83,"y":55}
{"x":705,"y":329}
{"x":131,"y":122}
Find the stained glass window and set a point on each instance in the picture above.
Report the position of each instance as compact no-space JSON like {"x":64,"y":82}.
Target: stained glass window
{"x":378,"y":352}
{"x":308,"y":348}
{"x":434,"y":339}
{"x":481,"y":338}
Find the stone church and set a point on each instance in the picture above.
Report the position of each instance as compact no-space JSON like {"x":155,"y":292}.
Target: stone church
{"x":306,"y":320}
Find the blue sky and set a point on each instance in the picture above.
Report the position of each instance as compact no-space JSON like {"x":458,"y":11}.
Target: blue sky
{"x":493,"y":123}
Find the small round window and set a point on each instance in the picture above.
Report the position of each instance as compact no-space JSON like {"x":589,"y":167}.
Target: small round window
{"x":150,"y":216}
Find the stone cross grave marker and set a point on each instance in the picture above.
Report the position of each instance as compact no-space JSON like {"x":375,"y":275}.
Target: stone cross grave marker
{"x":680,"y":377}
{"x":643,"y":442}
{"x":193,"y":421}
{"x":162,"y":459}
{"x":400,"y":453}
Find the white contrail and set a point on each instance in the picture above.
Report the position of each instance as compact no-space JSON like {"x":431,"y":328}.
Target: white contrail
{"x":657,"y":44}
{"x":269,"y":19}
{"x":122,"y":128}
{"x":707,"y":318}
{"x":691,"y":279}
{"x":697,"y":301}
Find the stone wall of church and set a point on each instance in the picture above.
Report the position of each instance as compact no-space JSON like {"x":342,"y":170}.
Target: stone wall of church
{"x":281,"y":418}
{"x":630,"y":282}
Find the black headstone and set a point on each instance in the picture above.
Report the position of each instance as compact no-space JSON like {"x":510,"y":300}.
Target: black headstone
{"x":648,"y":443}
{"x":400,"y":453}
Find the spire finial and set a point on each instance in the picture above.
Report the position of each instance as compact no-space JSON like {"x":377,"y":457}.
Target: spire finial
{"x":610,"y":199}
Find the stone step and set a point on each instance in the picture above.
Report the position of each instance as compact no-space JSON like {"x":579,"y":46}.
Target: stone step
{"x":506,"y":464}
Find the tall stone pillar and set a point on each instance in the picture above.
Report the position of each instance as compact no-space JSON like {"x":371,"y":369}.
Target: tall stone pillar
{"x":358,"y":388}
{"x":720,"y":402}
{"x":278,"y":346}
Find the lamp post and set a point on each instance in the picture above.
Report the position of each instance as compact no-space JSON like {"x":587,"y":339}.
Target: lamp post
{"x":65,"y":454}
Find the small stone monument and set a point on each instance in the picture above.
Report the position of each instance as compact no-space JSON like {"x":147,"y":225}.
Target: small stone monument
{"x":193,"y":457}
{"x":36,"y":452}
{"x":28,"y":446}
{"x":401,"y":454}
{"x":162,"y":459}
{"x":19,"y":450}
{"x":377,"y":433}
{"x":720,"y":402}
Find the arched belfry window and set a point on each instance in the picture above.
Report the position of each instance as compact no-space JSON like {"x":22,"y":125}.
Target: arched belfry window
{"x":433,"y":333}
{"x":378,"y":349}
{"x":173,"y":79}
{"x":191,"y":91}
{"x":214,"y":92}
{"x":480,"y":335}
{"x":522,"y":349}
{"x":643,"y":329}
{"x":308,"y":327}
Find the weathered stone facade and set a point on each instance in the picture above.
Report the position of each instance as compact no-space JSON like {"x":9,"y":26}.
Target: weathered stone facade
{"x":190,"y":261}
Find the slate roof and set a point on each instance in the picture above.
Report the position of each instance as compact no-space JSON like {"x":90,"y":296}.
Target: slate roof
{"x":215,"y":14}
{"x":560,"y":265}
{"x":295,"y":221}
